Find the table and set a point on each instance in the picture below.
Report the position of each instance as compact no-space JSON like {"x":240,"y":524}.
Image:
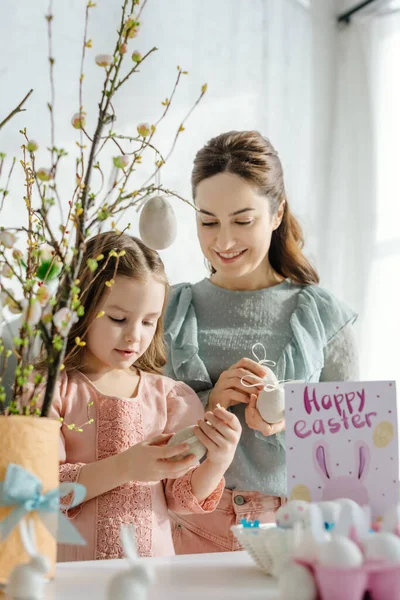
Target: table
{"x":230,"y":575}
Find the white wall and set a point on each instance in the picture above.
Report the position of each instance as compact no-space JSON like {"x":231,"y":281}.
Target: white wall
{"x":255,"y":57}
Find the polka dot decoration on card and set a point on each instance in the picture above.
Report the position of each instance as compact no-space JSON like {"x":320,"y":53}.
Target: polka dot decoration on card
{"x":383,"y":434}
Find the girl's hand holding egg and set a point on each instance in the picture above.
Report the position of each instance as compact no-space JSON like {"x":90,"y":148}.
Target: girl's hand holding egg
{"x":219,"y":432}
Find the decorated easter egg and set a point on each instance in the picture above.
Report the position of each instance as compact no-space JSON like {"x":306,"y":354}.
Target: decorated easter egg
{"x":292,"y":512}
{"x":271,"y":404}
{"x":157,"y":223}
{"x":269,"y":376}
{"x":187,"y":436}
{"x":340,"y":552}
{"x":296,"y":583}
{"x":383,"y":546}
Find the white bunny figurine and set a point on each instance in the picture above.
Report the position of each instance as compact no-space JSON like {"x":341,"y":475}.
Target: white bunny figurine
{"x":308,"y":539}
{"x":134,"y":582}
{"x":27,"y":581}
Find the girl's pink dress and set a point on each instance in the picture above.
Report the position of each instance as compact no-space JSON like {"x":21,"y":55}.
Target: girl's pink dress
{"x":160,"y":406}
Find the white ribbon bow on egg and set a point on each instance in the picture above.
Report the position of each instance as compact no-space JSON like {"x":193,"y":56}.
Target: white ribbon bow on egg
{"x":269,"y":379}
{"x":271,"y":399}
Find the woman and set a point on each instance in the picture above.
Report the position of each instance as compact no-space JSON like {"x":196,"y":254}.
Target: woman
{"x":261,"y":289}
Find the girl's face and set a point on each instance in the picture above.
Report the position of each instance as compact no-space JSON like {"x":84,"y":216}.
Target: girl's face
{"x":132,"y":309}
{"x":235,"y":226}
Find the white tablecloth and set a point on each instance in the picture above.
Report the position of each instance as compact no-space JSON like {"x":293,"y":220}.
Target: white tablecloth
{"x":230,"y":575}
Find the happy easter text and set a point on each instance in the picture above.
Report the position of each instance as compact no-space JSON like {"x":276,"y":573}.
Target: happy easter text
{"x":349,"y":410}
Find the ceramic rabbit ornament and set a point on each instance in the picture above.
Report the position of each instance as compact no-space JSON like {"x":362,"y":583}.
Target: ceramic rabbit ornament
{"x":27,"y":581}
{"x":132,"y":583}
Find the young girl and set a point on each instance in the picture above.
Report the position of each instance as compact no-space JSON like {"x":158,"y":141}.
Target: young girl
{"x":115,"y":379}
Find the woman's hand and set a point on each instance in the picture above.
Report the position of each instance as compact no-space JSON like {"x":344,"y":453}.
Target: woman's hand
{"x":148,"y":461}
{"x":220,"y":432}
{"x":229,"y":390}
{"x":255,"y":421}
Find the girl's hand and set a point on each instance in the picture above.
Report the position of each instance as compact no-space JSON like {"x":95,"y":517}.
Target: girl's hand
{"x":255,"y":421}
{"x":229,"y":389}
{"x":220,"y":438}
{"x":148,"y":461}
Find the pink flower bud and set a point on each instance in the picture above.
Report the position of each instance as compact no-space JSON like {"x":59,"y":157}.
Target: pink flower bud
{"x":121,"y":161}
{"x":17,"y":255}
{"x":78,"y":120}
{"x":143,"y":129}
{"x":7,"y":239}
{"x":6,"y":272}
{"x":64,"y":319}
{"x":104,"y":60}
{"x":32,"y":146}
{"x":133,"y":31}
{"x":136,"y":56}
{"x":43,"y":295}
{"x":131,"y":28}
{"x":44,"y":174}
{"x":123,"y":49}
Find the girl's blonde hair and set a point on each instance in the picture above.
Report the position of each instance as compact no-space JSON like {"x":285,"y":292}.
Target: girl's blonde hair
{"x":137,"y":262}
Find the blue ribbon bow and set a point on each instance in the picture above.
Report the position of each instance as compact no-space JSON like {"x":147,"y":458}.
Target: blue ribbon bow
{"x":24,"y":490}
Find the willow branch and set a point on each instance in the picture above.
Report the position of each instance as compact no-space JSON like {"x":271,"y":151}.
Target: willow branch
{"x":16,"y":110}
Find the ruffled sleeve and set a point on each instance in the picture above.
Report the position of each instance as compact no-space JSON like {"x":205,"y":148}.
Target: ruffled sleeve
{"x":180,"y":330}
{"x":318,"y":318}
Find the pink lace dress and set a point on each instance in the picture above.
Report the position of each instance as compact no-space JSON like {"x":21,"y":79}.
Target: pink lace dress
{"x":160,"y":406}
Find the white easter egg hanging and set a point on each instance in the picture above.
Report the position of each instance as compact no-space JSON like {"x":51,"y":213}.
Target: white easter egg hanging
{"x":187,"y":436}
{"x":157,"y":223}
{"x":271,"y":404}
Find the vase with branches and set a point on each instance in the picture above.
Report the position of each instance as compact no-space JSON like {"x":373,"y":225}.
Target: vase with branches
{"x":39,"y":283}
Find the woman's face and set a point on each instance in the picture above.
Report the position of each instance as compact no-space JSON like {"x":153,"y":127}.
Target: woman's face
{"x":235,"y":226}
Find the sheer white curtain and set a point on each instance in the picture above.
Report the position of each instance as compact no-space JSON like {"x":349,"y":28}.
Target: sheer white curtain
{"x":359,"y":243}
{"x":382,"y":315}
{"x":255,"y":56}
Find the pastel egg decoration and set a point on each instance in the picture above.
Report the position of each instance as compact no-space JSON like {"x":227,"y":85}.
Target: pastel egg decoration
{"x":383,"y":434}
{"x":271,"y":403}
{"x":187,"y":436}
{"x":293,"y":512}
{"x":301,"y":492}
{"x":383,"y":546}
{"x":157,"y":223}
{"x":340,"y":552}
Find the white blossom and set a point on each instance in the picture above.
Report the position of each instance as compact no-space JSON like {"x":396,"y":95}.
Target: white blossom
{"x":64,"y":319}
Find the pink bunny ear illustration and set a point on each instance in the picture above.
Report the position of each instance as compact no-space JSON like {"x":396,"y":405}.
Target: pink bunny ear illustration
{"x":362,"y":460}
{"x":320,"y":456}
